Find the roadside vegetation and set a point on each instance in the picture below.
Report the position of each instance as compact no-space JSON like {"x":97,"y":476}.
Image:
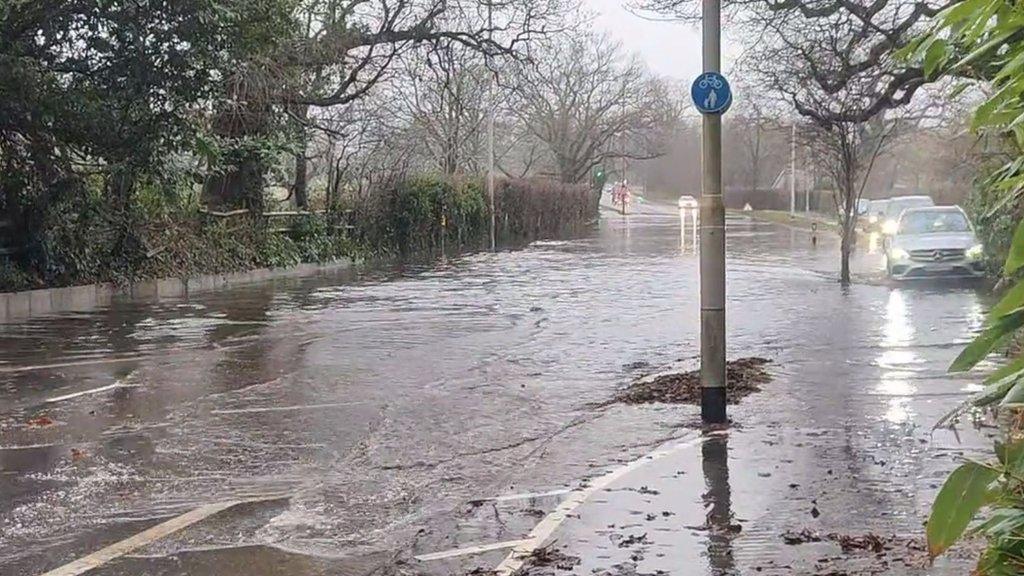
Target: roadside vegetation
{"x":148,"y":139}
{"x":981,"y":40}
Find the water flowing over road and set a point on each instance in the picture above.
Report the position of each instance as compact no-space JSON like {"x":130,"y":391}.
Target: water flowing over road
{"x":373,"y":416}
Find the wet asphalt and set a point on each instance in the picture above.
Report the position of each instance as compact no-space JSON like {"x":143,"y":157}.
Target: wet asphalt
{"x":373,"y":416}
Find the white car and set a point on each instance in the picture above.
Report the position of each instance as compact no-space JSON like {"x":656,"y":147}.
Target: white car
{"x":896,"y":205}
{"x":931,"y":242}
{"x":688,"y":203}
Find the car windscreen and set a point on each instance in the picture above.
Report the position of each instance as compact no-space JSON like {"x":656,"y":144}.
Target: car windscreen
{"x":926,"y":222}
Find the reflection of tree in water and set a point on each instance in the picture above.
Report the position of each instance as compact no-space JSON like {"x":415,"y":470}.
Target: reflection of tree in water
{"x":718,"y":503}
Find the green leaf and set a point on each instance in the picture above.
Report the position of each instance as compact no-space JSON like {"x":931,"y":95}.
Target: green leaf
{"x":1008,"y":197}
{"x":964,"y":493}
{"x":1012,"y":369}
{"x":994,"y":392}
{"x":1003,"y":522}
{"x":1012,"y":300}
{"x":935,"y":56}
{"x":1015,"y":259}
{"x":1012,"y":67}
{"x":961,"y":11}
{"x":959,"y":89}
{"x":1015,"y":396}
{"x":1011,"y":454}
{"x":997,"y":331}
{"x":994,"y":42}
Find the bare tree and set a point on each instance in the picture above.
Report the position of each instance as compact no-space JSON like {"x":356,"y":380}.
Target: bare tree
{"x":442,"y":98}
{"x":754,"y":131}
{"x":835,"y":63}
{"x":339,"y":51}
{"x":589,"y":103}
{"x":860,"y":37}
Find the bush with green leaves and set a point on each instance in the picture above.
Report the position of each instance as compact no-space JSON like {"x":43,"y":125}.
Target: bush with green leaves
{"x":984,"y":39}
{"x":424,"y":212}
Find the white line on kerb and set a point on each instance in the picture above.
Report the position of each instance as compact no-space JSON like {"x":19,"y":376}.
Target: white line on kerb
{"x":469,"y":550}
{"x":84,"y":392}
{"x":543,"y":530}
{"x":526,"y":496}
{"x":17,"y":369}
{"x":101,"y":557}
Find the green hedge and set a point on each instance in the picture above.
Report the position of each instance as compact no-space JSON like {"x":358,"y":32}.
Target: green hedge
{"x":85,"y":239}
{"x":425,"y":212}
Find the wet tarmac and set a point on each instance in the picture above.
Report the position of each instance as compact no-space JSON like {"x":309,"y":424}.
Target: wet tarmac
{"x":375,"y":416}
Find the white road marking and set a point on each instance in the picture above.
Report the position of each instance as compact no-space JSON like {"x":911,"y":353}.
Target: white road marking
{"x":85,"y":392}
{"x":146,"y":537}
{"x":543,"y":530}
{"x":469,"y":550}
{"x":284,"y":408}
{"x":526,"y":496}
{"x":17,"y":369}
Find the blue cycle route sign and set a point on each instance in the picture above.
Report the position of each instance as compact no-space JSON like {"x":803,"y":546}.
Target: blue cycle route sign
{"x":711,"y":93}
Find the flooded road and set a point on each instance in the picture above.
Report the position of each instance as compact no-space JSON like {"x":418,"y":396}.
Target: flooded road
{"x":366,"y":418}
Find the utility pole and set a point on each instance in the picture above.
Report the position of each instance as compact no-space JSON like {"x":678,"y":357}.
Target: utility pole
{"x":809,"y":186}
{"x":792,"y":171}
{"x":490,"y":135}
{"x":712,"y":238}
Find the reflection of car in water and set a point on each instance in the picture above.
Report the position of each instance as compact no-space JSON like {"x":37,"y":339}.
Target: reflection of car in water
{"x":931,"y":242}
{"x":895,"y":206}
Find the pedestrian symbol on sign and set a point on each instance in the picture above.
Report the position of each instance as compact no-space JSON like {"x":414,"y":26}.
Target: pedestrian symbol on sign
{"x":711,"y":93}
{"x":711,"y":100}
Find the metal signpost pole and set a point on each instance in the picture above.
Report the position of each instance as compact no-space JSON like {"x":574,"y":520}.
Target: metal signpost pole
{"x":792,"y":171}
{"x":712,"y":234}
{"x":490,"y":136}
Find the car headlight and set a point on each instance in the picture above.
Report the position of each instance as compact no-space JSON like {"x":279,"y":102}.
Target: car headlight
{"x":975,"y":252}
{"x":898,"y":254}
{"x":890,"y":227}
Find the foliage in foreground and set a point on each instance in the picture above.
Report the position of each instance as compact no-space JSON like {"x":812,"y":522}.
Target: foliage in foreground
{"x":984,"y":39}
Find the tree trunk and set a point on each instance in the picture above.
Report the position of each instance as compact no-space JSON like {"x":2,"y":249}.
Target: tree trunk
{"x":845,"y":249}
{"x":300,"y":187}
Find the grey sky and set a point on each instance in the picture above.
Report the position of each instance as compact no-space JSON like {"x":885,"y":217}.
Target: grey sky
{"x":670,"y":48}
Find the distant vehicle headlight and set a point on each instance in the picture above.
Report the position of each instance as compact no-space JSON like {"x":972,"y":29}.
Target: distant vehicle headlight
{"x":898,"y":254}
{"x":975,"y":252}
{"x":890,"y":227}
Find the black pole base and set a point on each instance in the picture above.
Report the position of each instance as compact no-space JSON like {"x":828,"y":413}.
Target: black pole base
{"x":712,"y":405}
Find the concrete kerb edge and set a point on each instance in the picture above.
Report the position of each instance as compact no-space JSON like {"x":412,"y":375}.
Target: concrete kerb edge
{"x":31,"y":303}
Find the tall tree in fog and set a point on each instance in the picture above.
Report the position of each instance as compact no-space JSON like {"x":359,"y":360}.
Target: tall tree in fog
{"x":589,"y":103}
{"x":753,"y":133}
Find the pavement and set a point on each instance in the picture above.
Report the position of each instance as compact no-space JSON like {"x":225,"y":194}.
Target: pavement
{"x":453,"y":417}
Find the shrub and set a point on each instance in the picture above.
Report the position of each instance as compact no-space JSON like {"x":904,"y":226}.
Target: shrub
{"x":418,"y":213}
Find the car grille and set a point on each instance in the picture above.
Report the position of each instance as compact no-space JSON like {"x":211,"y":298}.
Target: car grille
{"x":937,"y":255}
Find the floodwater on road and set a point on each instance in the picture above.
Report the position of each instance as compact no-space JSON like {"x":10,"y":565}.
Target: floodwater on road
{"x":372,"y":415}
